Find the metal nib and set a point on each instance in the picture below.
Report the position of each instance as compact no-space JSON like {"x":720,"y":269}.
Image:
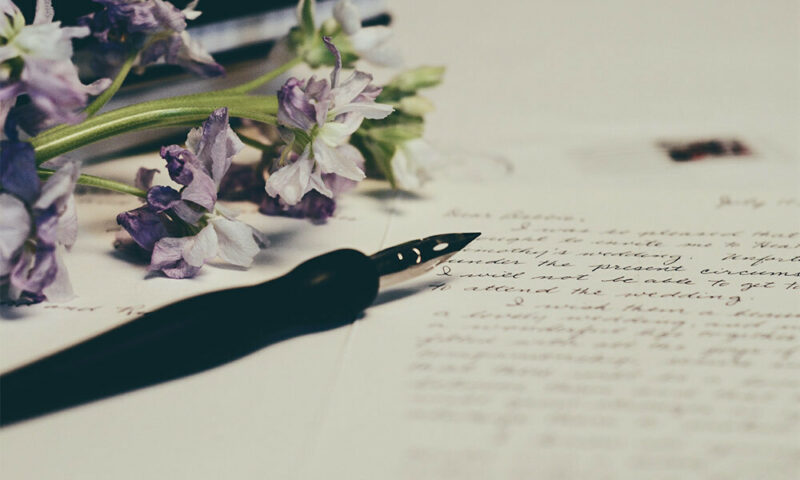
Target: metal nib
{"x":410,"y":259}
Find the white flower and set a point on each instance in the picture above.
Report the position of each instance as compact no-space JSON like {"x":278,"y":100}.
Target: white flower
{"x":47,"y":76}
{"x":232,"y":241}
{"x":371,"y":43}
{"x":296,"y":179}
{"x":327,"y":114}
{"x":412,"y":162}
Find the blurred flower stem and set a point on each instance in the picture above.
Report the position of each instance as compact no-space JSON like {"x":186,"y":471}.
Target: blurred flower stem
{"x":257,"y":82}
{"x":186,"y":110}
{"x":98,"y":182}
{"x":112,"y":89}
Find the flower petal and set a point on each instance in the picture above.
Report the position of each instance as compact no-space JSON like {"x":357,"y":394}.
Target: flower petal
{"x":144,"y":225}
{"x":236,"y":243}
{"x":338,"y":184}
{"x":291,"y":181}
{"x":340,"y":162}
{"x":374,"y":45}
{"x":348,"y":16}
{"x":201,"y":191}
{"x":167,"y":251}
{"x":15,"y":226}
{"x":46,"y":222}
{"x":161,"y":198}
{"x":217,"y":146}
{"x":193,"y":139}
{"x":68,"y":224}
{"x":371,"y":37}
{"x":295,"y":109}
{"x":349,"y":89}
{"x":178,"y":162}
{"x":314,"y":206}
{"x":188,"y":213}
{"x":60,"y":289}
{"x":369,"y":110}
{"x":168,"y":258}
{"x":192,"y":56}
{"x":316,"y":182}
{"x":55,"y":89}
{"x":18,"y":170}
{"x":337,"y":133}
{"x":44,"y":12}
{"x":34,"y":270}
{"x":201,"y":248}
{"x":58,"y":188}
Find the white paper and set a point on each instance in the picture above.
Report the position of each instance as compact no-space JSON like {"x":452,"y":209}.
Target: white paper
{"x":644,"y":330}
{"x":252,"y":417}
{"x":502,"y":363}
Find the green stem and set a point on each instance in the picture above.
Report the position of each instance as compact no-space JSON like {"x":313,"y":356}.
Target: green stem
{"x":214,"y":94}
{"x":98,"y":182}
{"x":176,"y":111}
{"x":257,"y":82}
{"x":109,"y":92}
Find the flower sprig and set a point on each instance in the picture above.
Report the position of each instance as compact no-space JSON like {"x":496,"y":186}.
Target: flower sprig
{"x":319,"y":136}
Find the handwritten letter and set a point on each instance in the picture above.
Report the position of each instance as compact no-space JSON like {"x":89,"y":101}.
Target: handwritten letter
{"x":639,"y":338}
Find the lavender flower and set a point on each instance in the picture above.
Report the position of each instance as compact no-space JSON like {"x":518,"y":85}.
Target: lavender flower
{"x":317,"y":203}
{"x":373,"y":44}
{"x":185,"y":229}
{"x":155,"y":28}
{"x":313,"y":205}
{"x":36,"y":219}
{"x":319,"y":118}
{"x":36,"y":60}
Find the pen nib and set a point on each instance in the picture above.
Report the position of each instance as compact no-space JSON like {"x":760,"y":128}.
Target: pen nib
{"x":410,"y":259}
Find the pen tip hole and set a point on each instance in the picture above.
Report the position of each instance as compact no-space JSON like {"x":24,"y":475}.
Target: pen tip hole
{"x":440,"y":246}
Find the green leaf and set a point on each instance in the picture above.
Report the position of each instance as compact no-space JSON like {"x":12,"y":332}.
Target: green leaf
{"x":397,"y":117}
{"x":394,"y":134}
{"x":297,"y":40}
{"x":421,"y":77}
{"x":416,"y":105}
{"x":377,"y":155}
{"x":305,"y":14}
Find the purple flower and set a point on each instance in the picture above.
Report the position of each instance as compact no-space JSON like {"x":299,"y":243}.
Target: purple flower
{"x":17,"y":172}
{"x":155,"y":28}
{"x":295,"y":176}
{"x":185,"y":229}
{"x":313,"y":205}
{"x":302,"y":105}
{"x":327,"y":114}
{"x":145,"y":225}
{"x":231,"y":240}
{"x":36,"y":219}
{"x":246,"y":182}
{"x":315,"y":197}
{"x":35,"y":60}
